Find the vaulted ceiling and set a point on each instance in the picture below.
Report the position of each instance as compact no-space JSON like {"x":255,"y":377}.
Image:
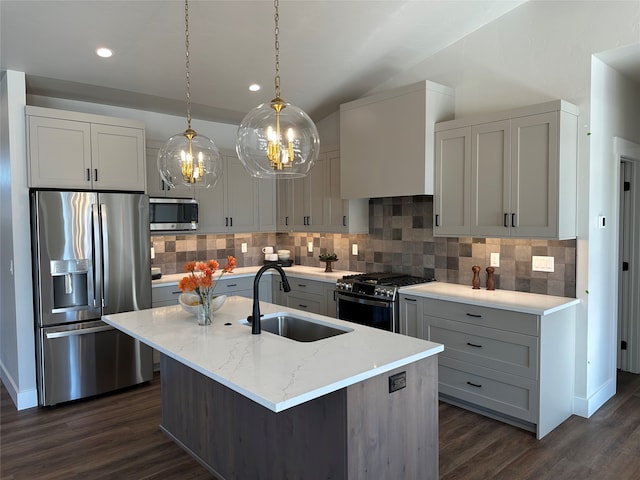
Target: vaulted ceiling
{"x":330,"y":51}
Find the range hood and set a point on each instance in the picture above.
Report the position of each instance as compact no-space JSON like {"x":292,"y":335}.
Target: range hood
{"x":387,"y":141}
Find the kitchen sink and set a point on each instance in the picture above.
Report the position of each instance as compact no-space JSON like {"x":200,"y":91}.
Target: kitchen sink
{"x":300,"y":329}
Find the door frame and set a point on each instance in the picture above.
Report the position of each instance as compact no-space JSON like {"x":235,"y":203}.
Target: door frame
{"x":629,"y":359}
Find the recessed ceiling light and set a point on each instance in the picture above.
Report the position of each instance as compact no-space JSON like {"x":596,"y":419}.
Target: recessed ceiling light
{"x":104,"y":52}
{"x":254,"y":87}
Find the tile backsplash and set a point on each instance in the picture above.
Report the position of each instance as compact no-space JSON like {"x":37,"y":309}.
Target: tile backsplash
{"x":400,"y":239}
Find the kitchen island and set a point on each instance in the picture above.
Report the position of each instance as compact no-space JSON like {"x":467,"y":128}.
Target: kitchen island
{"x":362,"y":404}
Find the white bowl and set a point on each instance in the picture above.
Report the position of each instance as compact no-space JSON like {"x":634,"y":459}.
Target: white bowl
{"x":284,"y":254}
{"x":191,"y":301}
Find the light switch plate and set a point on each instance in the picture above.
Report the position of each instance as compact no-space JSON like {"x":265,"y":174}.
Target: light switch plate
{"x":243,"y":247}
{"x":542,"y":264}
{"x":310,"y":247}
{"x":495,"y":259}
{"x":354,"y":249}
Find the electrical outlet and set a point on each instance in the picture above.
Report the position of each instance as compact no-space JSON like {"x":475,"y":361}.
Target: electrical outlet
{"x":354,"y":249}
{"x":542,"y":264}
{"x":310,"y":247}
{"x":243,"y":247}
{"x":495,"y":259}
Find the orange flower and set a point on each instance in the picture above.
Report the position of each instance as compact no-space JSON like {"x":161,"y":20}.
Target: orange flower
{"x":200,"y":278}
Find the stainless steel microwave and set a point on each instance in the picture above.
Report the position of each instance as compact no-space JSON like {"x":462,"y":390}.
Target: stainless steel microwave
{"x":173,"y":214}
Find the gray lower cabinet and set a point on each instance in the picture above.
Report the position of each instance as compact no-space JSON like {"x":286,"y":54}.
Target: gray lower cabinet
{"x":312,"y":296}
{"x":166,"y":295}
{"x":512,"y":366}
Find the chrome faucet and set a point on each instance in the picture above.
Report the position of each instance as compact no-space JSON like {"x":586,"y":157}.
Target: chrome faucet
{"x":254,"y":318}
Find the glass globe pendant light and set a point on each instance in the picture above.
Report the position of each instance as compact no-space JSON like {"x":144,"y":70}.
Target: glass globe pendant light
{"x":277,"y":139}
{"x":189,"y":158}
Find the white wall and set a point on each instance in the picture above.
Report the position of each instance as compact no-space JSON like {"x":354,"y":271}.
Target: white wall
{"x":17,"y":350}
{"x":615,"y":112}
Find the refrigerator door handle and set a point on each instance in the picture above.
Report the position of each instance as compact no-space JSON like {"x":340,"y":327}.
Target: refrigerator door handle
{"x":97,"y":259}
{"x":105,"y":254}
{"x":82,"y":331}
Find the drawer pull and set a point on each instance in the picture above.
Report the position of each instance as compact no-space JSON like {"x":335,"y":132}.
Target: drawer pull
{"x":176,"y":293}
{"x":232,"y":285}
{"x":474,"y":384}
{"x":474,"y":315}
{"x":302,"y":285}
{"x":474,"y":345}
{"x":303,"y":306}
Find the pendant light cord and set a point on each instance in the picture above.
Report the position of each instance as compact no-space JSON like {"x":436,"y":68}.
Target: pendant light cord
{"x":276,"y":32}
{"x":186,"y":45}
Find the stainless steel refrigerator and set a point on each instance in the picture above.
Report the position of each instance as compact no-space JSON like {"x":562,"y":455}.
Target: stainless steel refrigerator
{"x":91,"y":256}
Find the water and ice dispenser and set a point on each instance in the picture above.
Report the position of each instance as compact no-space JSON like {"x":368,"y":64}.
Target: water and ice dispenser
{"x":72,"y":284}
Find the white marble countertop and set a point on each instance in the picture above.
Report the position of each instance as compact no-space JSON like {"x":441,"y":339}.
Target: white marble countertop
{"x":310,"y":273}
{"x":503,"y":299}
{"x":276,"y":372}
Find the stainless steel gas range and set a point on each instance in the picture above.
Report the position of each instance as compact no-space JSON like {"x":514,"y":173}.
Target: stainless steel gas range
{"x":372,"y":298}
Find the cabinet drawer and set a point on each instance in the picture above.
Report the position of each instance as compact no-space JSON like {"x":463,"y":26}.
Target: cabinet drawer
{"x":501,"y":350}
{"x":165,"y":295}
{"x":229,"y":286}
{"x":489,"y":317}
{"x":306,"y":286}
{"x":307,"y":303}
{"x":498,"y":391}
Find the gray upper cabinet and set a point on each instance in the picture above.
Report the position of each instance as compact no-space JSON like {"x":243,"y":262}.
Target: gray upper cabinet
{"x":156,"y":186}
{"x":388,"y":138}
{"x":78,"y":150}
{"x":231,"y":205}
{"x":314,"y":203}
{"x":451,"y":204}
{"x":510,"y":174}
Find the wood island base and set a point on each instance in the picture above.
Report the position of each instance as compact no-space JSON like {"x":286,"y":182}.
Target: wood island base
{"x":358,"y":432}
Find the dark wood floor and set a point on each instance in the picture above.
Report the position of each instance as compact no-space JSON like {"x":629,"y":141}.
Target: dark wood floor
{"x":117,"y":437}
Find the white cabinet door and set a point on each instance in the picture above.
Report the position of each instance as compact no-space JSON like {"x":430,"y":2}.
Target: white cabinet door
{"x":490,"y":179}
{"x":534,"y":176}
{"x":75,"y":150}
{"x":156,"y":186}
{"x":118,"y":158}
{"x":284,"y":204}
{"x":231,"y":205}
{"x":452,"y":182}
{"x":299,"y":203}
{"x":411,"y":321}
{"x":318,"y":206}
{"x":310,"y":206}
{"x":59,"y":153}
{"x":267,"y":205}
{"x":241,"y":197}
{"x":212,"y":216}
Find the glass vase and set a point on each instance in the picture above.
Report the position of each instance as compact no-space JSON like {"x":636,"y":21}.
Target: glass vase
{"x":204,"y":311}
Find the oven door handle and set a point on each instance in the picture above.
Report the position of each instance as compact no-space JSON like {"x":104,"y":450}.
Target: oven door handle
{"x":364,"y":301}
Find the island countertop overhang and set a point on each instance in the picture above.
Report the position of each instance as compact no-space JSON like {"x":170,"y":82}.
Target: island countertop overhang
{"x":276,"y":372}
